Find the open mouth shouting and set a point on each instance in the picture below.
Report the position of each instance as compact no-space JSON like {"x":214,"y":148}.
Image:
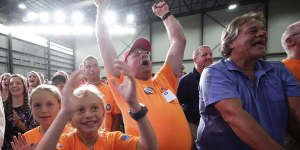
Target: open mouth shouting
{"x":260,"y":43}
{"x":145,"y":63}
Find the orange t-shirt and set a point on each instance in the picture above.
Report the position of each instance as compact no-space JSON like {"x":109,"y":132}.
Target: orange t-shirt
{"x":294,"y":66}
{"x":34,"y":136}
{"x":167,"y":118}
{"x":110,"y":107}
{"x":106,"y":141}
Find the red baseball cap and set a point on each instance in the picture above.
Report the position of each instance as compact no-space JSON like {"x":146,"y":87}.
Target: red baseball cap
{"x":139,"y":43}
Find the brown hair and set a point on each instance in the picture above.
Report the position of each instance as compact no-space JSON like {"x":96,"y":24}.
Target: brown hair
{"x":1,"y":78}
{"x":38,"y":77}
{"x":8,"y":102}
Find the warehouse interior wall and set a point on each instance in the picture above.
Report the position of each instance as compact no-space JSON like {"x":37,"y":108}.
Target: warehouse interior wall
{"x":200,"y":29}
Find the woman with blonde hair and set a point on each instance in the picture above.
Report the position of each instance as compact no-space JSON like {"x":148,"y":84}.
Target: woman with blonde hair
{"x":33,"y":80}
{"x":4,"y":81}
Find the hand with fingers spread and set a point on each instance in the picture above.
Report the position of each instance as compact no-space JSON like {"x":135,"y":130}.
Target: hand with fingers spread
{"x":160,"y":9}
{"x":127,"y":89}
{"x":21,"y":144}
{"x":68,"y":98}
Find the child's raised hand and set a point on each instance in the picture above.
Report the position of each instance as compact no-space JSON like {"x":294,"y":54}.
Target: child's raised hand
{"x":127,"y":89}
{"x":68,"y":98}
{"x":21,"y":144}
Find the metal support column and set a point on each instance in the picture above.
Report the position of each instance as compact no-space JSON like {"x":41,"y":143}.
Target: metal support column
{"x":74,"y":51}
{"x":49,"y":60}
{"x":202,"y":29}
{"x":150,"y":36}
{"x":10,"y":58}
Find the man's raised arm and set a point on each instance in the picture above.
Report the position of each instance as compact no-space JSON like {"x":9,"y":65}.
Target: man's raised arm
{"x":105,"y":44}
{"x":175,"y":35}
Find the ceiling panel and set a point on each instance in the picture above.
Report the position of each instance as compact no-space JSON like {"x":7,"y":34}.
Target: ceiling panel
{"x":140,"y":8}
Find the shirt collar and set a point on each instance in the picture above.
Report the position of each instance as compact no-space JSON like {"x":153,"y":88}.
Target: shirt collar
{"x":196,"y":73}
{"x":261,"y":66}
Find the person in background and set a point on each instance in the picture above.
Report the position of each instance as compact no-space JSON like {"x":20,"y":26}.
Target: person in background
{"x":4,"y":81}
{"x":245,"y":101}
{"x":18,"y":115}
{"x":2,"y":123}
{"x":91,"y":72}
{"x":290,"y":41}
{"x":59,"y":81}
{"x":33,"y":80}
{"x":63,"y":73}
{"x":188,"y":93}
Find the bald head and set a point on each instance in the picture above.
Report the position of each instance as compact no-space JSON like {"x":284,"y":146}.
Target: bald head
{"x":202,"y":57}
{"x":198,"y":51}
{"x":91,"y":69}
{"x":288,"y":37}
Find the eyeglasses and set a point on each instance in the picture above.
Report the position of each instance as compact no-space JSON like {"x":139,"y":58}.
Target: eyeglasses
{"x":137,"y":53}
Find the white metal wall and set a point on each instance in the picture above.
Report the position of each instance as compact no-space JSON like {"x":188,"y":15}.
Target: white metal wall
{"x":280,"y":14}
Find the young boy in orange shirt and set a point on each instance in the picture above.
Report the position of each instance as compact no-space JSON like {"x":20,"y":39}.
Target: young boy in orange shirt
{"x":85,"y":110}
{"x":45,"y":103}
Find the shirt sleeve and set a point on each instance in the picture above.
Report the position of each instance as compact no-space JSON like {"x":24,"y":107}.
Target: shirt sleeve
{"x":2,"y":123}
{"x":167,"y":73}
{"x":124,"y":141}
{"x":63,"y":143}
{"x":215,"y":85}
{"x":291,"y":85}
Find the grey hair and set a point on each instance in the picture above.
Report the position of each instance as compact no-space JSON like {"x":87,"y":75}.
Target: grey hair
{"x":196,"y":52}
{"x":287,"y":33}
{"x":232,"y":30}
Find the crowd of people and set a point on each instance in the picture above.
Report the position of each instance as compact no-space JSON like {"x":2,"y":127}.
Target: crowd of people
{"x":240,"y":102}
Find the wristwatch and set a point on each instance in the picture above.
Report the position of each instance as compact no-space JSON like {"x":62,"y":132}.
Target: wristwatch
{"x":140,"y":114}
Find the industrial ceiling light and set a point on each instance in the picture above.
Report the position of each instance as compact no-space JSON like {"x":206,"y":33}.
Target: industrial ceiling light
{"x":233,"y":5}
{"x":22,"y":6}
{"x":44,"y":17}
{"x":59,"y":17}
{"x":31,"y":16}
{"x":130,"y":18}
{"x":77,"y":17}
{"x":110,"y":18}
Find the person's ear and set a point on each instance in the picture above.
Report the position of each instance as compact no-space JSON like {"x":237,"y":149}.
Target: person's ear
{"x":290,"y":42}
{"x":195,"y":59}
{"x":230,"y":45}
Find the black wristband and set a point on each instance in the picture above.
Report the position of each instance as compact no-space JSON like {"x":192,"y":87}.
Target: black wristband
{"x":140,"y":114}
{"x":166,"y":16}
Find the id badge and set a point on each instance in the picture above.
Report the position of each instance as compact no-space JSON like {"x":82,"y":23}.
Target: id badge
{"x":169,"y":95}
